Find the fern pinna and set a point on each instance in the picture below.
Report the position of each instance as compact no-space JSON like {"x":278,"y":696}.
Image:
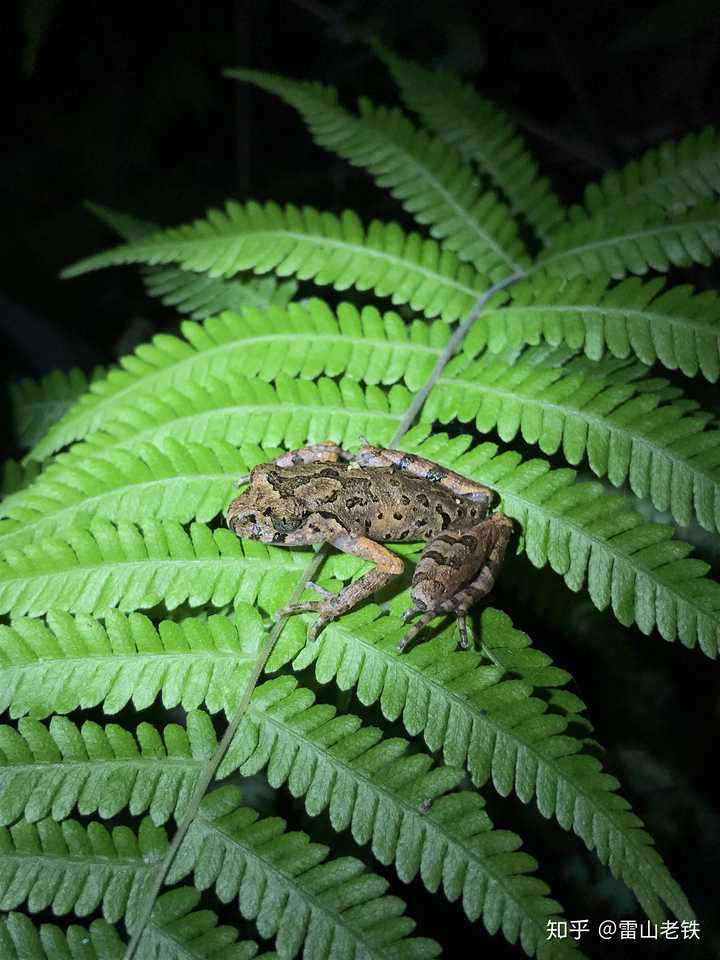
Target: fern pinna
{"x":122,"y":589}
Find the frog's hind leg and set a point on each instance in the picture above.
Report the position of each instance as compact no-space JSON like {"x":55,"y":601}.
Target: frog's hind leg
{"x":457,"y":569}
{"x":333,"y":605}
{"x":328,"y":451}
{"x":454,"y":483}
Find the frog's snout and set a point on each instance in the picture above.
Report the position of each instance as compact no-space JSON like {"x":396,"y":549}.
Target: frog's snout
{"x":243,"y":520}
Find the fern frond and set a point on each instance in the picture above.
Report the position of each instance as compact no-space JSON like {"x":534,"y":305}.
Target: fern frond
{"x":104,"y":565}
{"x":495,"y":727}
{"x":663,"y":450}
{"x":197,"y":295}
{"x":373,"y":787}
{"x":20,"y":939}
{"x":47,"y":771}
{"x":201,"y":296}
{"x":66,"y":867}
{"x":240,"y":410}
{"x":77,"y":663}
{"x":178,"y":931}
{"x":35,"y":405}
{"x":170,"y":481}
{"x":676,"y":175}
{"x":422,"y":172}
{"x":614,"y":243}
{"x":303,"y":340}
{"x":589,"y":537}
{"x":337,"y":908}
{"x":677,"y":327}
{"x":312,"y":246}
{"x":481,"y":132}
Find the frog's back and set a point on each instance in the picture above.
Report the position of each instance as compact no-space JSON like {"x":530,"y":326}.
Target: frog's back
{"x":385,"y":504}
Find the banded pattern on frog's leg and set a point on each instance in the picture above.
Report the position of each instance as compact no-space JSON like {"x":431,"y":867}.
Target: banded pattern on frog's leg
{"x":454,"y":483}
{"x":334,"y":605}
{"x":326,"y":451}
{"x":456,"y":569}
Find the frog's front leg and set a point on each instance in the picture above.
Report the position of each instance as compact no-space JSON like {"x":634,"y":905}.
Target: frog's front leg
{"x":327,"y":451}
{"x":457,"y":569}
{"x":334,"y":605}
{"x":455,"y":483}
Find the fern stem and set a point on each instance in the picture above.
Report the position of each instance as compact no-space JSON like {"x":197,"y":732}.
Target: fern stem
{"x":309,"y":573}
{"x":453,"y":345}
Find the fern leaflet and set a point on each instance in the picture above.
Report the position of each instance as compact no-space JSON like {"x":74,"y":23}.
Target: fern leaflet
{"x":480,"y":132}
{"x":676,"y":175}
{"x":426,"y":175}
{"x":638,"y":239}
{"x":677,"y":327}
{"x":312,"y":246}
{"x":36,"y":405}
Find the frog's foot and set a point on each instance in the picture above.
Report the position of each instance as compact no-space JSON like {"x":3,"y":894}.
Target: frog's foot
{"x":426,"y":617}
{"x":328,"y":609}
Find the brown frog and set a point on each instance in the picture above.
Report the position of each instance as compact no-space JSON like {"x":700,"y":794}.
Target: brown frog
{"x":322,"y":494}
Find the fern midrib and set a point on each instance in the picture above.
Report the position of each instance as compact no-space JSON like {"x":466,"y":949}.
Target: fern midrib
{"x":650,"y":316}
{"x":92,"y":763}
{"x":139,"y":864}
{"x":53,"y":517}
{"x":143,"y":380}
{"x":291,"y":881}
{"x":635,"y":235}
{"x":611,"y":815}
{"x":397,"y":800}
{"x":131,"y":659}
{"x":594,"y":419}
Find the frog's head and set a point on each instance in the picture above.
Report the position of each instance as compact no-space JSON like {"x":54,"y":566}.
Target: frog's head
{"x":263,"y":515}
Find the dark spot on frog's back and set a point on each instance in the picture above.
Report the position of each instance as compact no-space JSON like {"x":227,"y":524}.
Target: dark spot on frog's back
{"x":446,"y":518}
{"x":422,"y":500}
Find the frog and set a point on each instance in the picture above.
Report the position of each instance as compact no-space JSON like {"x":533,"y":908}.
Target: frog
{"x":322,"y":494}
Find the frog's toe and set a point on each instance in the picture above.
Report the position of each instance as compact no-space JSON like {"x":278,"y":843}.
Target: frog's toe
{"x":462,"y":630}
{"x":308,"y":606}
{"x":410,"y":613}
{"x":415,"y":629}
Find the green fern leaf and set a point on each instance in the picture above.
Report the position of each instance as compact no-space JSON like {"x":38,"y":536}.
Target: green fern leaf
{"x":589,"y":537}
{"x":21,"y":940}
{"x":36,"y":405}
{"x":676,"y":175}
{"x":242,"y":410}
{"x":480,"y":132}
{"x":380,"y":792}
{"x":48,"y":771}
{"x":495,"y":727}
{"x":313,"y":246}
{"x":679,"y":328}
{"x":337,"y":908}
{"x":614,"y":243}
{"x":177,"y":931}
{"x":68,"y":868}
{"x":78,"y":663}
{"x":171,"y":481}
{"x":662,"y":449}
{"x":423,"y":173}
{"x":200,"y":296}
{"x":96,"y":568}
{"x":303,"y":340}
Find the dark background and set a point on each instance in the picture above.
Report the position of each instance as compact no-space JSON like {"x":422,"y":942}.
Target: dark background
{"x":124,"y":104}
